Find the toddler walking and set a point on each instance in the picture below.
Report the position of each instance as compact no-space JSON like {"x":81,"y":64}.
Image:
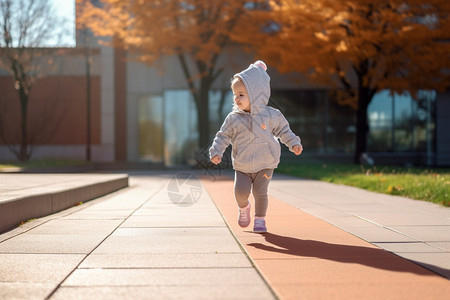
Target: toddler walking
{"x":253,"y":129}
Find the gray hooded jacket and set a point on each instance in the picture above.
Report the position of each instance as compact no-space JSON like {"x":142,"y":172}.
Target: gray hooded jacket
{"x":254,"y":135}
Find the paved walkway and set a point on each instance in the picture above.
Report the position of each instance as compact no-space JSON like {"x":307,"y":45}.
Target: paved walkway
{"x":416,"y":230}
{"x":304,"y":256}
{"x":172,"y":236}
{"x":144,"y":242}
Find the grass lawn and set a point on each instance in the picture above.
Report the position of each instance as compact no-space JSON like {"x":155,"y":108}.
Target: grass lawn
{"x":431,"y":185}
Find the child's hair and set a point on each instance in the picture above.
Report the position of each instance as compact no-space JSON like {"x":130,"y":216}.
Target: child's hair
{"x":235,"y":79}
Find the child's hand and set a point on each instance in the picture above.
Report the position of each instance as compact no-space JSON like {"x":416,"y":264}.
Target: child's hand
{"x":297,"y":149}
{"x":216,"y":159}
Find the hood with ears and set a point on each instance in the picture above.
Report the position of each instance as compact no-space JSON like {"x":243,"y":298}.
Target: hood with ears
{"x":257,"y":83}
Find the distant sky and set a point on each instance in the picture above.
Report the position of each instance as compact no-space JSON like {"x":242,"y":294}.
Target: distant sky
{"x":66,"y":9}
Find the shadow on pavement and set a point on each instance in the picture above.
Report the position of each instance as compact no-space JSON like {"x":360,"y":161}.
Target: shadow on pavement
{"x":371,"y":257}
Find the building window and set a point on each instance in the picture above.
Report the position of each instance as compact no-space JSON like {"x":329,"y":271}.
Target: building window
{"x":403,"y":123}
{"x":180,"y":128}
{"x":399,"y":123}
{"x":340,"y":128}
{"x":168,"y":123}
{"x":324,"y":125}
{"x":425,"y":122}
{"x":304,"y":109}
{"x":380,"y":123}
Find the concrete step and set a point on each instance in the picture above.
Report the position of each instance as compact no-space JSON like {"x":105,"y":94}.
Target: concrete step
{"x":27,"y":196}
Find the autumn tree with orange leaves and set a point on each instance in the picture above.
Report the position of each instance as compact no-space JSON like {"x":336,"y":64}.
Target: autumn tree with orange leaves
{"x":194,"y":31}
{"x":357,"y":46}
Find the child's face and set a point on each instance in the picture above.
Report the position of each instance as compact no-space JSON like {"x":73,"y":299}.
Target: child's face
{"x":240,"y":96}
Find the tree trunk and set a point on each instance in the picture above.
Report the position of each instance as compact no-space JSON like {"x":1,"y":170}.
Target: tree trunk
{"x":201,"y":98}
{"x":362,"y":126}
{"x":203,"y":113}
{"x":23,"y":154}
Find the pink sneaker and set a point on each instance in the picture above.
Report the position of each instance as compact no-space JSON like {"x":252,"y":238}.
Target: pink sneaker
{"x":244,"y":216}
{"x":260,"y":226}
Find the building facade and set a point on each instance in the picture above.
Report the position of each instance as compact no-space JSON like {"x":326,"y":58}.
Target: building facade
{"x":146,"y":114}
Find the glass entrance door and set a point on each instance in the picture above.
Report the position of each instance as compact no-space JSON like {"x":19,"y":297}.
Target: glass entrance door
{"x":168,"y":128}
{"x":151,"y":129}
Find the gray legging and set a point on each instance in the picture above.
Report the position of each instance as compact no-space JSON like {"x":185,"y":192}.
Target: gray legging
{"x":243,"y":185}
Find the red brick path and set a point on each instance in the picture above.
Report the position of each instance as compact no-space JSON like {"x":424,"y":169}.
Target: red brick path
{"x":303,"y":257}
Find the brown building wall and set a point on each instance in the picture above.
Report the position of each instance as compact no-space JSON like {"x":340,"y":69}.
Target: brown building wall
{"x":57,"y":111}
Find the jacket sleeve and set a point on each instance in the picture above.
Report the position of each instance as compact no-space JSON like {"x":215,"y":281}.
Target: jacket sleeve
{"x":282,"y":131}
{"x":222,"y":139}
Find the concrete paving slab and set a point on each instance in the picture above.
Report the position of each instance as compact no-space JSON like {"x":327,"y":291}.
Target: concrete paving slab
{"x":404,"y":217}
{"x":169,"y":240}
{"x":166,"y":260}
{"x":43,"y":243}
{"x":225,"y":292}
{"x":124,"y":202}
{"x":410,"y":247}
{"x":437,"y":233}
{"x":349,"y":199}
{"x":47,"y":268}
{"x":375,"y":233}
{"x":71,"y":227}
{"x":347,"y":220}
{"x":157,"y":210}
{"x":177,"y":220}
{"x":441,"y":245}
{"x":100,"y":214}
{"x":196,"y":215}
{"x":25,"y":290}
{"x":164,"y":277}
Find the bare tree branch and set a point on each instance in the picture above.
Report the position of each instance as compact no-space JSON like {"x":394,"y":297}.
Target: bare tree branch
{"x":26,"y":27}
